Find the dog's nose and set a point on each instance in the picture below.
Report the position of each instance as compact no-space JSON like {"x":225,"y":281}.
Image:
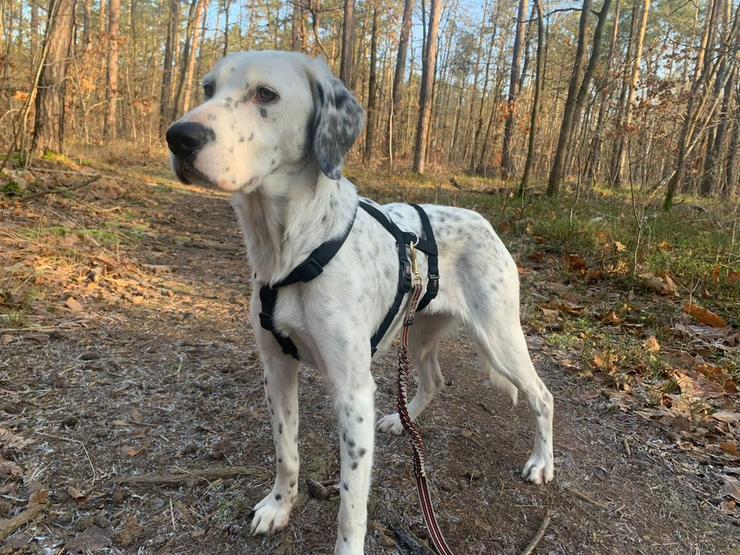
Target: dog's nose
{"x":185,"y":139}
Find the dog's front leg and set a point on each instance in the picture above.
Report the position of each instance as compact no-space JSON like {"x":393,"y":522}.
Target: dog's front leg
{"x":281,"y":389}
{"x":355,"y":398}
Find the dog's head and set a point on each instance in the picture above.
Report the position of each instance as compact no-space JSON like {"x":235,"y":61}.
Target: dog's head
{"x":264,"y":113}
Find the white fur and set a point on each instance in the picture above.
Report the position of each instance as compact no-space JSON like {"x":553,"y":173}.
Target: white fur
{"x":287,"y":208}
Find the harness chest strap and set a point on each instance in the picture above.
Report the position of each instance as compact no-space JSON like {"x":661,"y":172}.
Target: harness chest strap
{"x":322,"y":255}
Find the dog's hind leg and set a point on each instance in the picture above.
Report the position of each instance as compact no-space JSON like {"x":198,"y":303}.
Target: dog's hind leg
{"x":281,"y":390}
{"x":424,"y":338}
{"x":504,"y":350}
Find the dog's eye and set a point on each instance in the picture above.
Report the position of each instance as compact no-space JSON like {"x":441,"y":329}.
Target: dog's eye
{"x":266,"y":95}
{"x":208,"y":90}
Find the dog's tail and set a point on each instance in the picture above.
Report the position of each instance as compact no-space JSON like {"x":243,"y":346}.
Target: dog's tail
{"x":504,"y":385}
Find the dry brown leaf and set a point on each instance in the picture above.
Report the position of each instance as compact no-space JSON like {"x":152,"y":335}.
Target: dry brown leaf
{"x":575,"y":263}
{"x":74,"y":305}
{"x":10,"y":470}
{"x":651,"y":345}
{"x":130,"y":532}
{"x":612,"y":318}
{"x":733,"y":277}
{"x":704,"y":316}
{"x":731,"y":488}
{"x":664,"y":246}
{"x":599,"y":361}
{"x":9,"y":440}
{"x":663,"y":286}
{"x":77,"y":495}
{"x":729,"y":447}
{"x":133,"y":452}
{"x":727,"y":416}
{"x":696,"y":385}
{"x":619,"y":247}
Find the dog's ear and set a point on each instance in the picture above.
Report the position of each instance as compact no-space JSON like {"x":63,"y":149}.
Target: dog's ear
{"x":337,"y":120}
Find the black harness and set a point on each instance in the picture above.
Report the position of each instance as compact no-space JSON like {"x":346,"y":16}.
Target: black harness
{"x":322,"y":255}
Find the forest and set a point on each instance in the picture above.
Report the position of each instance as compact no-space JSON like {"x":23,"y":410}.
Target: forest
{"x":623,"y":93}
{"x":600,"y":139}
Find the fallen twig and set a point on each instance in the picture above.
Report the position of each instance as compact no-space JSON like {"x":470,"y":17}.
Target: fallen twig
{"x":36,"y":505}
{"x":190,"y":478}
{"x":407,"y":542}
{"x":586,"y":498}
{"x":91,"y":179}
{"x":538,"y":536}
{"x":627,"y":447}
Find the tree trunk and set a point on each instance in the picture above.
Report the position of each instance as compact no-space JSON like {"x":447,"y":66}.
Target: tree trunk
{"x":348,"y":42}
{"x":507,"y":160}
{"x":48,"y":131}
{"x":189,"y":57}
{"x":626,"y":116}
{"x":372,"y":88}
{"x":556,"y":170}
{"x":165,"y":97}
{"x":733,"y":154}
{"x":427,"y":82}
{"x":227,"y":10}
{"x":536,"y":100}
{"x":397,"y":91}
{"x":110,"y":129}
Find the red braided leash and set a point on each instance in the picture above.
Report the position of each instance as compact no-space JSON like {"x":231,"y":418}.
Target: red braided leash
{"x":417,"y":443}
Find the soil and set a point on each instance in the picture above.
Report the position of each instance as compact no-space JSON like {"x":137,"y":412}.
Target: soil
{"x":153,"y":370}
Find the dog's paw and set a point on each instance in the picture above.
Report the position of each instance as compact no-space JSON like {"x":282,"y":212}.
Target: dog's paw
{"x":270,"y":515}
{"x":539,"y":469}
{"x":391,"y":423}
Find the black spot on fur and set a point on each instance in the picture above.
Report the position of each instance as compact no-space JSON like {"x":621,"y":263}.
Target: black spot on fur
{"x":263,"y":112}
{"x":278,"y":497}
{"x":251,"y":136}
{"x":345,"y":486}
{"x":361,"y":452}
{"x":280,"y":460}
{"x":360,"y":419}
{"x":280,"y":429}
{"x":354,"y":465}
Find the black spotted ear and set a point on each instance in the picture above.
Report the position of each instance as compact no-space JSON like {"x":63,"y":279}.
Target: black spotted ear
{"x":337,"y":122}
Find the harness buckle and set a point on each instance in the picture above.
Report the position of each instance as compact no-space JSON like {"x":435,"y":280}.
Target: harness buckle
{"x":308,"y":270}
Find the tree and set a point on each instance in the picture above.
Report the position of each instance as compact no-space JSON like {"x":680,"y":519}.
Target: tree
{"x":539,"y":70}
{"x":556,"y":170}
{"x":348,"y":42}
{"x":507,"y":162}
{"x":111,"y":119}
{"x":189,"y":56}
{"x":48,"y":131}
{"x":398,"y":75}
{"x":429,"y":64}
{"x":625,"y":115}
{"x":165,"y":95}
{"x":372,"y":89}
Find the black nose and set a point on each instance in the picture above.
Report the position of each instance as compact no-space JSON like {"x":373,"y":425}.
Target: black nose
{"x":185,"y":139}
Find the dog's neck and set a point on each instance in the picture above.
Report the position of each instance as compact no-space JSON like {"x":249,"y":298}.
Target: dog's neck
{"x":288,"y":216}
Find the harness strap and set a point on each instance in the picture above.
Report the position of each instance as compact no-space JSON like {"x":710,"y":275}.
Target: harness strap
{"x":304,"y":272}
{"x":428,"y":245}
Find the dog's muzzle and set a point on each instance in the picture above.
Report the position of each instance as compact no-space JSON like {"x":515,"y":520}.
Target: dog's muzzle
{"x":185,"y":140}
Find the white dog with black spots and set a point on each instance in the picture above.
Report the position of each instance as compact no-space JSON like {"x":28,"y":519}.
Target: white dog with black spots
{"x":274,"y":130}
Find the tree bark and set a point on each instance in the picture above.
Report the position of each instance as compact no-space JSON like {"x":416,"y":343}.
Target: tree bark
{"x":398,"y":75}
{"x":110,"y":129}
{"x":427,"y":82}
{"x":556,"y":170}
{"x":626,"y":114}
{"x":508,"y":167}
{"x":165,"y":97}
{"x":536,"y":100}
{"x":348,"y":42}
{"x":189,"y":56}
{"x":48,"y":132}
{"x":372,"y":88}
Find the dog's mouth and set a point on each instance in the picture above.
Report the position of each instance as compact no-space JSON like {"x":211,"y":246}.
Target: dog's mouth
{"x":186,"y":172}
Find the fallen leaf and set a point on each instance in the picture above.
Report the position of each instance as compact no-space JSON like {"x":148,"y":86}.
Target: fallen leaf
{"x":727,"y":416}
{"x":704,"y":316}
{"x":733,"y":277}
{"x":74,"y":305}
{"x":6,"y":338}
{"x":9,"y":440}
{"x":729,"y":447}
{"x":10,"y":470}
{"x":575,"y":263}
{"x":731,"y":488}
{"x":94,"y":539}
{"x":130,"y":533}
{"x":611,"y":318}
{"x":134,"y":452}
{"x":696,"y":385}
{"x":619,"y":247}
{"x":651,"y":345}
{"x":599,"y":361}
{"x":79,"y":496}
{"x":663,"y":286}
{"x":664,"y":246}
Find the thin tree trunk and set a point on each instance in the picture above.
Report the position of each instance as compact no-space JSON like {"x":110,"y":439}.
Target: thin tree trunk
{"x":227,"y":10}
{"x":48,"y":132}
{"x":165,"y":97}
{"x":189,"y":58}
{"x":556,"y":170}
{"x":110,"y":129}
{"x":398,"y":75}
{"x":427,"y":83}
{"x":348,"y":41}
{"x":372,"y":87}
{"x":536,"y":100}
{"x":626,"y":118}
{"x":508,"y":167}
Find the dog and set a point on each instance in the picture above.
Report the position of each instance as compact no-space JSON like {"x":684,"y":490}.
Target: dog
{"x":274,"y":130}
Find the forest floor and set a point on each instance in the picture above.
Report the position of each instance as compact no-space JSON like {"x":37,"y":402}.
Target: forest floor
{"x":125,"y":350}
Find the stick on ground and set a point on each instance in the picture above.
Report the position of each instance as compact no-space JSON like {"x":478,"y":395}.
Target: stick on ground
{"x":191,"y":477}
{"x":36,"y":505}
{"x":538,"y":536}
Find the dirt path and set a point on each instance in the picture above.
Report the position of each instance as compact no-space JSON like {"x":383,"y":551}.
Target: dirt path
{"x":157,"y":372}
